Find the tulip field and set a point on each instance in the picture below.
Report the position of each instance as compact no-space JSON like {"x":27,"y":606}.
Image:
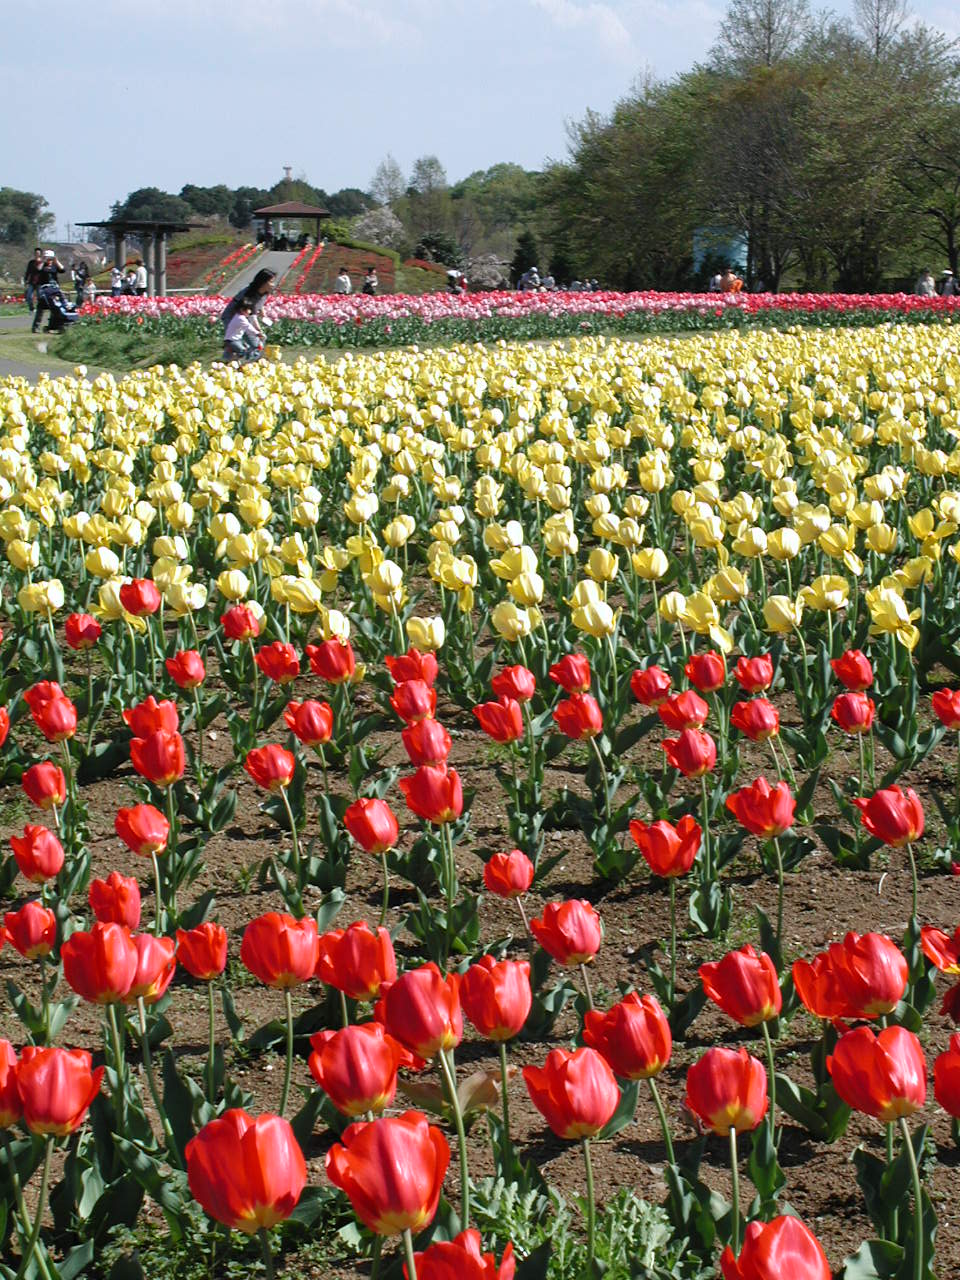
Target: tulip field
{"x":488,"y":812}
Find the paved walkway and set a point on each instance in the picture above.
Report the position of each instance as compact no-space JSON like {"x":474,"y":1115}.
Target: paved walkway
{"x":26,"y":366}
{"x":272,"y":260}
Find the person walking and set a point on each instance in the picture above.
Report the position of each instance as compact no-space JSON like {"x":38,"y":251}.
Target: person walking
{"x":50,"y":269}
{"x":926,"y":285}
{"x":370,"y":281}
{"x":141,"y":278}
{"x":116,"y":281}
{"x":31,"y":278}
{"x":948,"y":284}
{"x":79,"y":273}
{"x":343,"y":283}
{"x":256,"y":293}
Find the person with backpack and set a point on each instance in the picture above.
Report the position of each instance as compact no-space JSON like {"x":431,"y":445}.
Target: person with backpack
{"x":256,"y":293}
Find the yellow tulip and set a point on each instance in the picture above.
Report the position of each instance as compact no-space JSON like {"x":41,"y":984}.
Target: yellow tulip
{"x":527,"y":588}
{"x":512,"y":622}
{"x":827,"y":594}
{"x":233,"y":584}
{"x":426,"y":633}
{"x":602,"y":565}
{"x":781,"y":614}
{"x":651,"y":563}
{"x":596,"y":620}
{"x":24,"y":556}
{"x":101,"y":562}
{"x":672,"y":606}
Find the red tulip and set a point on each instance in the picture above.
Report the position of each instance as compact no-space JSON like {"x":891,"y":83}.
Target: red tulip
{"x":332,"y":661}
{"x":893,"y":816}
{"x":39,"y":854}
{"x":950,"y":1006}
{"x":39,"y":694}
{"x":203,"y":951}
{"x":311,"y":722}
{"x":413,"y":665}
{"x":757,"y":719}
{"x":946,"y":1078}
{"x":853,"y":712}
{"x":694,"y":753}
{"x":82,"y":631}
{"x":514,"y":682}
{"x":496,"y":997}
{"x":782,"y":1249}
{"x":434,"y":794}
{"x":357,"y":1067}
{"x":357,"y":960}
{"x":373,"y":825}
{"x":570,"y":932}
{"x":186,"y":669}
{"x":280,"y":951}
{"x":940,"y":949}
{"x":753,"y":675}
{"x":4,"y":725}
{"x":861,"y":977}
{"x":579,"y":716}
{"x":571,"y":673}
{"x":56,"y":1087}
{"x":708,"y":671}
{"x":116,"y":900}
{"x":279,"y":662}
{"x":946,"y":707}
{"x":151,"y":716}
{"x":44,"y":785}
{"x":727,"y":1089}
{"x":426,"y":742}
{"x":240,"y":622}
{"x":32,"y":931}
{"x":765,"y":811}
{"x":56,"y":718}
{"x":156,"y":964}
{"x":884,"y":1076}
{"x":668,"y":850}
{"x":414,"y":700}
{"x":140,"y":597}
{"x":271,"y":767}
{"x":462,"y":1259}
{"x":576,"y":1093}
{"x":392,"y":1171}
{"x":159,"y":758}
{"x":246,"y":1173}
{"x":633,"y":1036}
{"x":422,"y":1010}
{"x":508,"y":875}
{"x":143,"y":829}
{"x":853,"y":670}
{"x":650,"y":686}
{"x":100,"y":965}
{"x":11,"y":1108}
{"x":502,"y":720}
{"x":745,"y":986}
{"x":685,"y":710}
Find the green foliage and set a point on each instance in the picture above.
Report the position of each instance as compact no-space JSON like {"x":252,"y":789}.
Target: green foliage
{"x":24,"y":216}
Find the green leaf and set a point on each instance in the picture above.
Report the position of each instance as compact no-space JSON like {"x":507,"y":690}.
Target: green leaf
{"x":874,"y":1260}
{"x":626,"y":1110}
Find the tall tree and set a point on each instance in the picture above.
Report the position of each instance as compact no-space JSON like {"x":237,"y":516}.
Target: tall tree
{"x":761,"y":33}
{"x":387,"y":183}
{"x":880,"y":22}
{"x":24,"y":216}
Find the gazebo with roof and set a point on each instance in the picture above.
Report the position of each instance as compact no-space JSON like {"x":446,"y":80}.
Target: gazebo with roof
{"x":154,"y":234}
{"x":294,"y":209}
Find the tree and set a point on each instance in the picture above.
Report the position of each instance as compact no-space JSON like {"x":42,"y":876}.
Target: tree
{"x":210,"y":201}
{"x":387,"y":184}
{"x":428,"y":177}
{"x":149,"y":204}
{"x":437,"y":247}
{"x":380,"y":227}
{"x":931,"y":178}
{"x":245,"y":200}
{"x":24,"y":216}
{"x":349,"y":202}
{"x":761,"y":33}
{"x":880,"y":22}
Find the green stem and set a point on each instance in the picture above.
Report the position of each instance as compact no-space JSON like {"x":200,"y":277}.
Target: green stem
{"x":894,"y":1212}
{"x":450,"y":1080}
{"x":673,"y":940}
{"x":586,"y":987}
{"x":293,"y":834}
{"x":913,"y":874}
{"x":386,"y":889}
{"x":523,"y":915}
{"x":591,"y":1209}
{"x":41,"y":1208}
{"x":505,"y":1101}
{"x":375,"y":1257}
{"x":288,"y":1070}
{"x":152,"y":1083}
{"x":89,"y":698}
{"x":776,"y":850}
{"x":196,"y":703}
{"x":707,"y":864}
{"x":159,"y":894}
{"x":958,"y":779}
{"x":172,"y":853}
{"x":664,"y":1124}
{"x":211,"y":1056}
{"x":771,"y":1082}
{"x":45,"y":998}
{"x":862,"y":763}
{"x":918,"y":1267}
{"x":344,"y":1011}
{"x":267,"y":1254}
{"x":408,"y":1255}
{"x":735,"y":1207}
{"x":120,"y":1067}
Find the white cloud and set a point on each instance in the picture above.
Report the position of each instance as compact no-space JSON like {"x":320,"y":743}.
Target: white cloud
{"x":600,"y":19}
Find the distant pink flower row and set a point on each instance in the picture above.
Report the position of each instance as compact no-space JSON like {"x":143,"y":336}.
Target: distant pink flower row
{"x":361,"y":308}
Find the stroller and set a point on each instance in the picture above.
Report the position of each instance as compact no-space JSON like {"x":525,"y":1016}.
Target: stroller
{"x":50,"y":297}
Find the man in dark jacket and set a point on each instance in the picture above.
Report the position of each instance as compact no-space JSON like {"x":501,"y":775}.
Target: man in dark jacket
{"x":31,"y":278}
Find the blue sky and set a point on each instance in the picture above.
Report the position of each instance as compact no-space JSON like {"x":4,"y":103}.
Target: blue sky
{"x":231,"y":91}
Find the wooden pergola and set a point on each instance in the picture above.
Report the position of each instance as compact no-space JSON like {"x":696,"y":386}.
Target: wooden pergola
{"x":154,"y":234}
{"x":294,"y":209}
